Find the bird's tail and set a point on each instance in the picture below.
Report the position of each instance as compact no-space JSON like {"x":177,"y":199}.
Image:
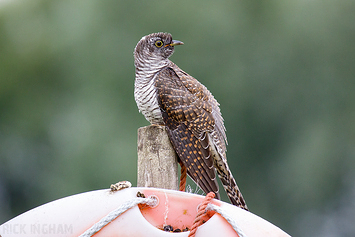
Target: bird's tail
{"x":231,"y":187}
{"x":224,"y":173}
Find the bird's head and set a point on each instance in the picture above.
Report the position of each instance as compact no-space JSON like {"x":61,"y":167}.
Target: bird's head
{"x":155,"y":47}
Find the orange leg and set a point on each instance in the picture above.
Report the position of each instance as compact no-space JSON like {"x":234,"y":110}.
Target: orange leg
{"x":183,"y":176}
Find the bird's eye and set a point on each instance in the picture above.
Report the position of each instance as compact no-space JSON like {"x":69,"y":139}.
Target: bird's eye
{"x":158,"y":43}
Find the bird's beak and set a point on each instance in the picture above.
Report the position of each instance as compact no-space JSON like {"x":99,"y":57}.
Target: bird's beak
{"x":175,"y":42}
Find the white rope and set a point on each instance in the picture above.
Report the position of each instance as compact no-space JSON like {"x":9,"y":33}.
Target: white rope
{"x":151,"y":201}
{"x":230,"y":220}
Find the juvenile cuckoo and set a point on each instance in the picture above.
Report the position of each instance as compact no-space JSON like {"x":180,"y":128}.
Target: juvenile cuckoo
{"x":166,"y":95}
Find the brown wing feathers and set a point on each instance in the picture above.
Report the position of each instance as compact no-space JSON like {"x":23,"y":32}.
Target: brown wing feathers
{"x":187,"y":118}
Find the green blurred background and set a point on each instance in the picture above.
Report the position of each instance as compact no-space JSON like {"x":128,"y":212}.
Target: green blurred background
{"x":283,"y":72}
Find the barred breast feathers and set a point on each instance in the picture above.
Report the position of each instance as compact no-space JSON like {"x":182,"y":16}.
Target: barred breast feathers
{"x":145,"y":93}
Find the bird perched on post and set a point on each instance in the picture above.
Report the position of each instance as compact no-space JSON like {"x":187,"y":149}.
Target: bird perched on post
{"x":166,"y":95}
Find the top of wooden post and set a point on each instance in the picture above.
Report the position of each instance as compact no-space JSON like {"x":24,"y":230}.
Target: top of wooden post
{"x":157,"y":160}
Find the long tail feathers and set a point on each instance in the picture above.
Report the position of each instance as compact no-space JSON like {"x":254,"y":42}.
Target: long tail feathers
{"x":231,"y":187}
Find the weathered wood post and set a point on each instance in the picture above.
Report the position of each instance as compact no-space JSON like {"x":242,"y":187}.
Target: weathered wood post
{"x":157,"y":160}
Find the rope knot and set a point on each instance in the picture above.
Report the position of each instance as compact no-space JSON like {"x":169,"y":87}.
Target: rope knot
{"x":201,"y":213}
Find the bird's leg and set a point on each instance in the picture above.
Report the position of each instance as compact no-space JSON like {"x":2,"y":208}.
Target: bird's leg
{"x":183,"y":176}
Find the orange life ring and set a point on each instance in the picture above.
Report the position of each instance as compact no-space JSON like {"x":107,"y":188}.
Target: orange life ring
{"x":73,"y":215}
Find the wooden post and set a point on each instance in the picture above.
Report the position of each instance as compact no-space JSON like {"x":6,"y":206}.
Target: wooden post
{"x":157,"y":160}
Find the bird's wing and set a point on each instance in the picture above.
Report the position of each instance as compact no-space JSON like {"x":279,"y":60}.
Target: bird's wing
{"x":218,"y":135}
{"x":187,"y":114}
